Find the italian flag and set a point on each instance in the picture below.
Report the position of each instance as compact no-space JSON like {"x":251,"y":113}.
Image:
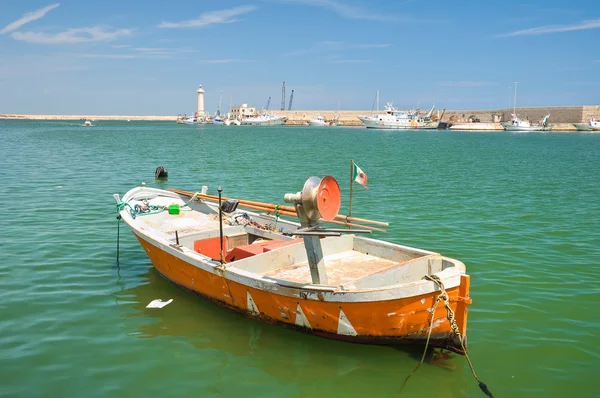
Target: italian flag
{"x":359,"y":176}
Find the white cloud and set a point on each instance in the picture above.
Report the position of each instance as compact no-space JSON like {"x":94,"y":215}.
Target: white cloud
{"x":346,"y":10}
{"x":540,"y":30}
{"x":79,"y":35}
{"x":209,"y":18}
{"x":139,"y":53}
{"x":29,"y":17}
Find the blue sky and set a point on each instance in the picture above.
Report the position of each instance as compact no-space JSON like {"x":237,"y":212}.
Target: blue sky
{"x":147,"y":58}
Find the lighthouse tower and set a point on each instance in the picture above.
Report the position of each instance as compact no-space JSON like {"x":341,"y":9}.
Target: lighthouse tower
{"x":200,"y":111}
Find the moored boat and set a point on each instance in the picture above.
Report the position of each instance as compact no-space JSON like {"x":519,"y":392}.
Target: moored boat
{"x":318,"y":121}
{"x":300,"y":275}
{"x":191,"y":120}
{"x":264,"y":119}
{"x":591,"y":125}
{"x":517,"y":124}
{"x":393,"y":118}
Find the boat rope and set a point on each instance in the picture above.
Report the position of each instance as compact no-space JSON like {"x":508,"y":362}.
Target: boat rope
{"x":450,"y":316}
{"x":118,"y":235}
{"x":144,"y":209}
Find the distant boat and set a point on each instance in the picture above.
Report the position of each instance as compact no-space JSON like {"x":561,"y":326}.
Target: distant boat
{"x":517,"y":124}
{"x":88,"y":123}
{"x":591,"y":125}
{"x":318,"y":121}
{"x":264,"y":119}
{"x":396,"y":119}
{"x":191,"y":120}
{"x":229,"y":122}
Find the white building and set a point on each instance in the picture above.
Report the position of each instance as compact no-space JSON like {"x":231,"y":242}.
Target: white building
{"x":242,"y":111}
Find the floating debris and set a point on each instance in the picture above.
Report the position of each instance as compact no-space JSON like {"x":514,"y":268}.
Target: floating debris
{"x":158,"y":303}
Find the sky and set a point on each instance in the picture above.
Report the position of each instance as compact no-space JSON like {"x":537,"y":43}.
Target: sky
{"x":148,"y":57}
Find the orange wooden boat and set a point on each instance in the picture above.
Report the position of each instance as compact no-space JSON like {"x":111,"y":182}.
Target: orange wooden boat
{"x":333,"y":283}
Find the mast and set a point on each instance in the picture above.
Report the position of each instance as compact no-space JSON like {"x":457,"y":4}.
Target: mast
{"x":377,"y":100}
{"x":220,"y":99}
{"x":515,"y":100}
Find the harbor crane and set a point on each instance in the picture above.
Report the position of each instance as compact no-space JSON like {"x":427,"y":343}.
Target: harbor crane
{"x":268,"y":103}
{"x":283,"y":96}
{"x":291,"y":99}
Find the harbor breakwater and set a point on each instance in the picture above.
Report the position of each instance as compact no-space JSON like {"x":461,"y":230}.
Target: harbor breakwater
{"x":561,"y":117}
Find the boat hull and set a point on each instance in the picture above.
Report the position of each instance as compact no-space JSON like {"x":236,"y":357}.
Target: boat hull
{"x":400,"y":125}
{"x":271,"y":122}
{"x":509,"y":127}
{"x":582,"y":126}
{"x":399,"y":319}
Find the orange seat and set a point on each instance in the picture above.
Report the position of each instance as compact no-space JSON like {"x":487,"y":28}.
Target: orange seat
{"x":240,"y":252}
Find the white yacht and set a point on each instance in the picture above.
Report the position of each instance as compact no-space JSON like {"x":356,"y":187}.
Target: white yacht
{"x":396,"y":119}
{"x":264,"y":119}
{"x":318,"y":121}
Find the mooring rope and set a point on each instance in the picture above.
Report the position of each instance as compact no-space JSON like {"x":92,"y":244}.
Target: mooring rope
{"x":450,"y":315}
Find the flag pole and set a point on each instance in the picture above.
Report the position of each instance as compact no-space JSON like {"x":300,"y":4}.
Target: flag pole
{"x":351,"y":173}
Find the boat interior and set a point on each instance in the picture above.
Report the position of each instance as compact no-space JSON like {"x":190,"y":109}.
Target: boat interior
{"x":271,"y":251}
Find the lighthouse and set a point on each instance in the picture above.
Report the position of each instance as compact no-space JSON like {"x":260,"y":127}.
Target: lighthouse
{"x":200,"y":111}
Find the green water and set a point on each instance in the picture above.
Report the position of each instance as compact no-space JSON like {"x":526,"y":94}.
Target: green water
{"x":521,"y":210}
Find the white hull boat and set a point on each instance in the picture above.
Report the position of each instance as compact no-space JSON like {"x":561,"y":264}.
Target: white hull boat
{"x":229,"y":122}
{"x":191,"y":120}
{"x":517,"y":124}
{"x":262,"y":120}
{"x":318,"y":121}
{"x":88,"y":123}
{"x":395,"y":119}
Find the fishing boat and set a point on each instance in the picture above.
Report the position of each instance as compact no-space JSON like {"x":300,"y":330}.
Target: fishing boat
{"x":333,"y":283}
{"x":517,"y":124}
{"x":393,"y":118}
{"x":318,"y":121}
{"x":591,"y":125}
{"x":191,"y":120}
{"x":264,"y":119}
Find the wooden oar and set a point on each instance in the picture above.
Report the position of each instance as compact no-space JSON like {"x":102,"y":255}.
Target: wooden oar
{"x":270,"y":208}
{"x":279,"y":208}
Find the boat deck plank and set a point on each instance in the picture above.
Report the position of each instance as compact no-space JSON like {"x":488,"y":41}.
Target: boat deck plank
{"x":342,"y":268}
{"x":186,"y":222}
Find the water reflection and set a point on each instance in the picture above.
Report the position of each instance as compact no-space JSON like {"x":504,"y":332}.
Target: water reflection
{"x":287,"y":355}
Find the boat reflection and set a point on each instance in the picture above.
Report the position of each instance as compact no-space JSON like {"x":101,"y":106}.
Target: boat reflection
{"x":288,"y":355}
